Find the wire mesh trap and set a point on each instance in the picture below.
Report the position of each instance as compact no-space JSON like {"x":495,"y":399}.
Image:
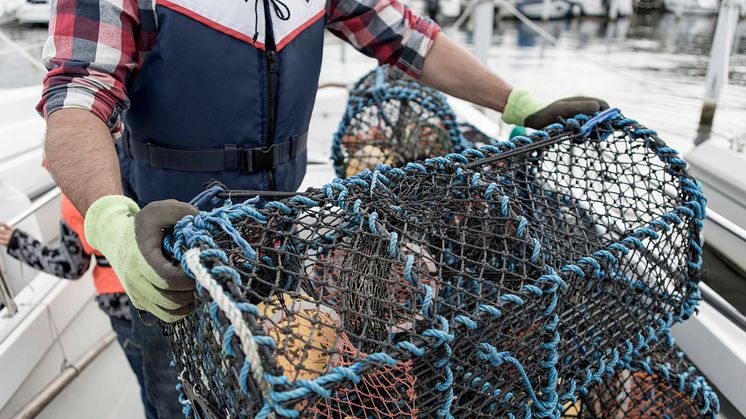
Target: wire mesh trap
{"x":396,"y":121}
{"x":537,"y":277}
{"x":645,"y":389}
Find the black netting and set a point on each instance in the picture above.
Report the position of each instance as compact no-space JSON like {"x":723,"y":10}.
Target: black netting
{"x":539,"y":276}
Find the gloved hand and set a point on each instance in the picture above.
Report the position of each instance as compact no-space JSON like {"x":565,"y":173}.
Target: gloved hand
{"x":131,"y":241}
{"x":523,"y":109}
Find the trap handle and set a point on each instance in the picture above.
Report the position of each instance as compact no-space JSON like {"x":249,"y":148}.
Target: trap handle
{"x":604,"y":116}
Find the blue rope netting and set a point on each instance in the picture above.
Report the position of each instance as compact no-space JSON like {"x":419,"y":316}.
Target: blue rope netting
{"x":536,"y":277}
{"x":396,"y":121}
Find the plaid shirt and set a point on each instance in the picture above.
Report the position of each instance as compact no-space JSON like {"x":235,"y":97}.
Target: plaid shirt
{"x":95,"y":46}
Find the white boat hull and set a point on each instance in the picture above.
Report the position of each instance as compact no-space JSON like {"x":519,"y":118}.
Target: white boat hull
{"x":34,"y":13}
{"x":692,"y":7}
{"x":22,"y":135}
{"x":558,"y":9}
{"x":8,"y":10}
{"x":717,"y":346}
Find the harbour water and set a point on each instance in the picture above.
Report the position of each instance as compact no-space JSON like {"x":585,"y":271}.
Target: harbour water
{"x":651,"y":65}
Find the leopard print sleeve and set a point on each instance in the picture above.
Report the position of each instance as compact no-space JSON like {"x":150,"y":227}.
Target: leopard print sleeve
{"x":68,"y":260}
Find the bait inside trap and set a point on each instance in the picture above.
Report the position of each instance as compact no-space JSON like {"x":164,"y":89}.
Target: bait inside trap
{"x":536,"y":277}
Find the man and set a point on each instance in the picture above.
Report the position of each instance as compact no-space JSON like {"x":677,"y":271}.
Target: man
{"x":216,"y":89}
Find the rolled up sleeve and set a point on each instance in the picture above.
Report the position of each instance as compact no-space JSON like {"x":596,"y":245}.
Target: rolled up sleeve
{"x":384,"y":29}
{"x":90,"y":52}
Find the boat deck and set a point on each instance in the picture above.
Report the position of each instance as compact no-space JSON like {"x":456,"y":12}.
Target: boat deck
{"x":106,"y":389}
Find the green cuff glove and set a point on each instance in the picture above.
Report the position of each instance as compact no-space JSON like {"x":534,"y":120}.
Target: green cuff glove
{"x":525,"y":110}
{"x":131,"y":241}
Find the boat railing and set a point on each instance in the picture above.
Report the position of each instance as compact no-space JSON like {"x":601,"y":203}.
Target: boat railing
{"x":710,"y":296}
{"x":6,"y":296}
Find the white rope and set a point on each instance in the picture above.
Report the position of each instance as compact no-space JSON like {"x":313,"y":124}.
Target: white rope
{"x":235,"y":317}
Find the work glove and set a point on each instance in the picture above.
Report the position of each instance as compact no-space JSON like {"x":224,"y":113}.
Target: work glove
{"x":131,"y":239}
{"x":525,"y":110}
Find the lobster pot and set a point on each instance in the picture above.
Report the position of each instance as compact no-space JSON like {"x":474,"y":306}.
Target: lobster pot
{"x":644,"y":389}
{"x":394,"y":122}
{"x":523,"y":279}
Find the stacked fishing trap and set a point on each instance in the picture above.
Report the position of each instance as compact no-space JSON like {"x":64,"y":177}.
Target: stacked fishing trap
{"x":536,"y":277}
{"x":394,"y":122}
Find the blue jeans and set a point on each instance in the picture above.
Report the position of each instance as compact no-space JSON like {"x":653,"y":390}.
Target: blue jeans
{"x":133,"y":352}
{"x":152,"y":365}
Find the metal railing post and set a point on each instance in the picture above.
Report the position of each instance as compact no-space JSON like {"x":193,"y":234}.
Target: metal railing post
{"x":717,"y":68}
{"x":484,"y":23}
{"x":7,"y":298}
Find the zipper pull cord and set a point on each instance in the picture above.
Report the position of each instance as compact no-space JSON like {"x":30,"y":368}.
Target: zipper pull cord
{"x":256,"y":19}
{"x":282,"y":11}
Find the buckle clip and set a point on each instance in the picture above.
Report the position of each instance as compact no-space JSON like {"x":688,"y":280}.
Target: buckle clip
{"x":255,"y":160}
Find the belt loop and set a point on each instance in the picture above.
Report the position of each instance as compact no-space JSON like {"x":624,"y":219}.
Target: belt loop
{"x":231,"y":157}
{"x":155,"y":155}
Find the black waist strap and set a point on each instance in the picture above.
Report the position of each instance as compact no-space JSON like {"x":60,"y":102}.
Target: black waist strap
{"x":230,"y":157}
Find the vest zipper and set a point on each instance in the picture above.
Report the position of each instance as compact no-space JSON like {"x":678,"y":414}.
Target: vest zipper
{"x":271,"y":54}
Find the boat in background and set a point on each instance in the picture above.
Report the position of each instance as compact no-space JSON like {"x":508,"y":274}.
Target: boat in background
{"x":8,"y":10}
{"x":23,"y":151}
{"x":692,"y":7}
{"x":439,"y":9}
{"x":648,"y":4}
{"x":34,"y":12}
{"x":559,"y":9}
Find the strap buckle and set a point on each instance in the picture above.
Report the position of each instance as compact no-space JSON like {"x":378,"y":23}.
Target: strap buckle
{"x":260,"y":159}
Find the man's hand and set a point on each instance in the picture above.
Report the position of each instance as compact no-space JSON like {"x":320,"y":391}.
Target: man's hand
{"x":524,"y":110}
{"x":6,"y":233}
{"x":131,"y":241}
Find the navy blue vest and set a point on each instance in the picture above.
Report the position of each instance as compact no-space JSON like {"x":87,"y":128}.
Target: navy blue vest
{"x":223,"y":76}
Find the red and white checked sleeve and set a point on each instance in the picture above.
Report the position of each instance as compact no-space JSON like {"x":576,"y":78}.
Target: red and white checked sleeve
{"x":384,"y":29}
{"x":90,"y":52}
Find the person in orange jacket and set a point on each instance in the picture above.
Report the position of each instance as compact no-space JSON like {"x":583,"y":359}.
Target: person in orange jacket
{"x":70,"y":260}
